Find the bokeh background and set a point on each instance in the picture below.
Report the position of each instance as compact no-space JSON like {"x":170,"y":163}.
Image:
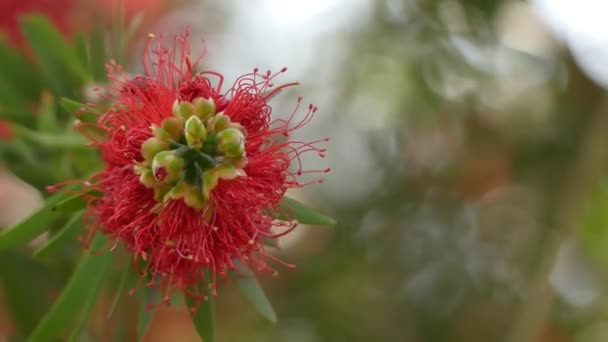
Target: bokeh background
{"x":469,"y":150}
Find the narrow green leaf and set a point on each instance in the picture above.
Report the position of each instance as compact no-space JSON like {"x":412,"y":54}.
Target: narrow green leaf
{"x":69,"y":141}
{"x":118,"y":33}
{"x":125,"y":279}
{"x":79,"y":110}
{"x":18,"y":71}
{"x":147,"y":295}
{"x":59,"y":61}
{"x":97,"y":54}
{"x":71,"y":106}
{"x":47,"y":115}
{"x":251,"y":289}
{"x":67,"y":234}
{"x":25,"y":292}
{"x":204,"y":317}
{"x":9,"y":95}
{"x":83,"y":285}
{"x":80,"y":48}
{"x":70,"y":204}
{"x":290,"y":208}
{"x":87,"y":307}
{"x":32,"y":226}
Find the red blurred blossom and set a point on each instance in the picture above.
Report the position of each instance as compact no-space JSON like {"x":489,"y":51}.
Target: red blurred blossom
{"x":6,"y":131}
{"x":58,"y":11}
{"x":131,"y":8}
{"x":176,"y":242}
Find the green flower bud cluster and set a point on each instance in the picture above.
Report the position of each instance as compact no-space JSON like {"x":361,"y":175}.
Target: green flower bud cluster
{"x":190,"y":152}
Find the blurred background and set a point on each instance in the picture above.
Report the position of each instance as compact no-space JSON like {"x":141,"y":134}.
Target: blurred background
{"x":469,"y":157}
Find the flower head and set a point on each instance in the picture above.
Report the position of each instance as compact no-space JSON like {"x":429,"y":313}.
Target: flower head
{"x":193,"y":172}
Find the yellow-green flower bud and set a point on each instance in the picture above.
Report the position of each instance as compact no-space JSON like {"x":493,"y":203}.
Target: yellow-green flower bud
{"x":231,"y":142}
{"x":160,"y":190}
{"x":219,"y":123}
{"x":194,"y":199}
{"x":238,"y":162}
{"x":160,"y":133}
{"x":210,"y":179}
{"x":147,"y":179}
{"x":167,"y":167}
{"x":151,"y":147}
{"x":204,"y":108}
{"x":228,"y":172}
{"x":183,"y":110}
{"x":173,"y":126}
{"x":195,"y":132}
{"x":176,"y":192}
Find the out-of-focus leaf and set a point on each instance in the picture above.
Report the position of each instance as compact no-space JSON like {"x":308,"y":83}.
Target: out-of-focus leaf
{"x":87,"y":308}
{"x":26,"y":285}
{"x":18,"y":71}
{"x":126,"y":278}
{"x":47,"y":116}
{"x":593,"y":232}
{"x":82,"y":286}
{"x":80,"y":48}
{"x":146,"y":296}
{"x":58,"y":59}
{"x":71,"y":106}
{"x":204,"y":317}
{"x":118,"y":33}
{"x":97,"y":54}
{"x":67,"y":234}
{"x":79,"y":110}
{"x":595,"y":332}
{"x":292,"y":209}
{"x":251,"y":289}
{"x":70,"y":204}
{"x":9,"y":95}
{"x":34,"y":225}
{"x":69,"y":141}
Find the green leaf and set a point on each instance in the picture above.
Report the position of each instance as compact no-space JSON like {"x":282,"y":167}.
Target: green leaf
{"x":80,"y":110}
{"x":59,"y":61}
{"x":67,"y":234}
{"x":204,"y":317}
{"x":10,"y":96}
{"x":72,"y":203}
{"x":593,"y":229}
{"x":47,"y":115}
{"x":34,"y":225}
{"x":97,"y":54}
{"x":82,"y":287}
{"x":146,"y":295}
{"x":119,"y":34}
{"x":17,"y":70}
{"x":87,"y":308}
{"x":80,"y":48}
{"x":68,"y":141}
{"x":125,"y":279}
{"x":71,"y":106}
{"x":25,"y":284}
{"x":292,"y":209}
{"x":251,"y":289}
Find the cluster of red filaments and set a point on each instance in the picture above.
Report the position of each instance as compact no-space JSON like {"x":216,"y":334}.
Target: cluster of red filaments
{"x":176,"y":242}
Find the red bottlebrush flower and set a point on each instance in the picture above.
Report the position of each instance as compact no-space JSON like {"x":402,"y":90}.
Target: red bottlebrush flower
{"x":6,"y":131}
{"x":130,"y":8}
{"x":58,"y":11}
{"x":193,"y":172}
